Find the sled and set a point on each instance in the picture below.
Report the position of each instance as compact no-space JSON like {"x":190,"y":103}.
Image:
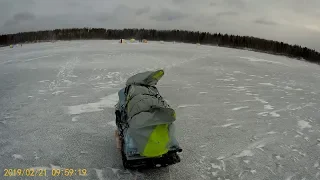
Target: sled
{"x":145,"y":124}
{"x":140,"y":163}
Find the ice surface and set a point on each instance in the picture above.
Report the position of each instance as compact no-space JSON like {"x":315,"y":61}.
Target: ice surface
{"x":99,"y":174}
{"x":245,"y":153}
{"x":254,"y":117}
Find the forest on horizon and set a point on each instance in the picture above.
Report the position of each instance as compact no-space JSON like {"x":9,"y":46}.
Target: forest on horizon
{"x":206,"y":38}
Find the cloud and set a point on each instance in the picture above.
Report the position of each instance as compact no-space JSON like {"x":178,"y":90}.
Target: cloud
{"x":19,"y":18}
{"x":265,"y":22}
{"x":103,"y":17}
{"x":143,"y":10}
{"x":178,"y":1}
{"x":72,"y":4}
{"x":240,"y":4}
{"x":168,"y":15}
{"x":227,"y":13}
{"x":24,"y":16}
{"x":213,"y":4}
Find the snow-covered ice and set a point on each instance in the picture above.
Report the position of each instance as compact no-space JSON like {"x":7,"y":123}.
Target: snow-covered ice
{"x":266,"y":84}
{"x":268,"y":107}
{"x":75,"y":118}
{"x":240,"y":114}
{"x":188,"y":105}
{"x":227,"y":125}
{"x":17,"y":156}
{"x":245,"y":153}
{"x":109,"y":101}
{"x":239,"y":108}
{"x":112,"y":123}
{"x":57,"y":92}
{"x":304,"y":124}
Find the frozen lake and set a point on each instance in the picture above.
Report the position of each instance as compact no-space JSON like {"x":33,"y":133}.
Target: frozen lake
{"x":240,"y":114}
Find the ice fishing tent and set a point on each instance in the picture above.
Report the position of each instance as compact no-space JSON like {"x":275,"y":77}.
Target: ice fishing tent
{"x":132,"y":40}
{"x":122,"y":41}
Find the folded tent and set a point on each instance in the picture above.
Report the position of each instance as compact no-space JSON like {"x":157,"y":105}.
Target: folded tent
{"x":150,"y":131}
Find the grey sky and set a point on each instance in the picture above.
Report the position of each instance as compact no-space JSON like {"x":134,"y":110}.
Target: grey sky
{"x":293,"y":21}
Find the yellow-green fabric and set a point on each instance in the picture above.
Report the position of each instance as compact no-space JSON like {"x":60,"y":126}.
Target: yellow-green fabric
{"x":158,"y":142}
{"x":158,"y":75}
{"x":149,"y":78}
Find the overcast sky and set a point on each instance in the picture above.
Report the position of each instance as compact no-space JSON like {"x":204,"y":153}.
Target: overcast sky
{"x":292,"y":21}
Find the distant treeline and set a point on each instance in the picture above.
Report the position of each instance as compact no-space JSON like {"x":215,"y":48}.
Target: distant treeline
{"x":225,"y":40}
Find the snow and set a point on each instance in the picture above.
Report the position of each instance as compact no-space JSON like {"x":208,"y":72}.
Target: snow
{"x":112,"y":123}
{"x":267,"y":84}
{"x":261,"y":100}
{"x":274,"y":114}
{"x":215,"y":166}
{"x":189,"y":105}
{"x":304,"y":124}
{"x":272,"y":132}
{"x":245,"y":153}
{"x":17,"y":156}
{"x":227,"y":125}
{"x":254,"y":116}
{"x":57,"y":92}
{"x":253,"y":59}
{"x":105,"y":102}
{"x":268,"y":107}
{"x":43,"y":81}
{"x":75,"y":118}
{"x":99,"y":174}
{"x":239,"y":108}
